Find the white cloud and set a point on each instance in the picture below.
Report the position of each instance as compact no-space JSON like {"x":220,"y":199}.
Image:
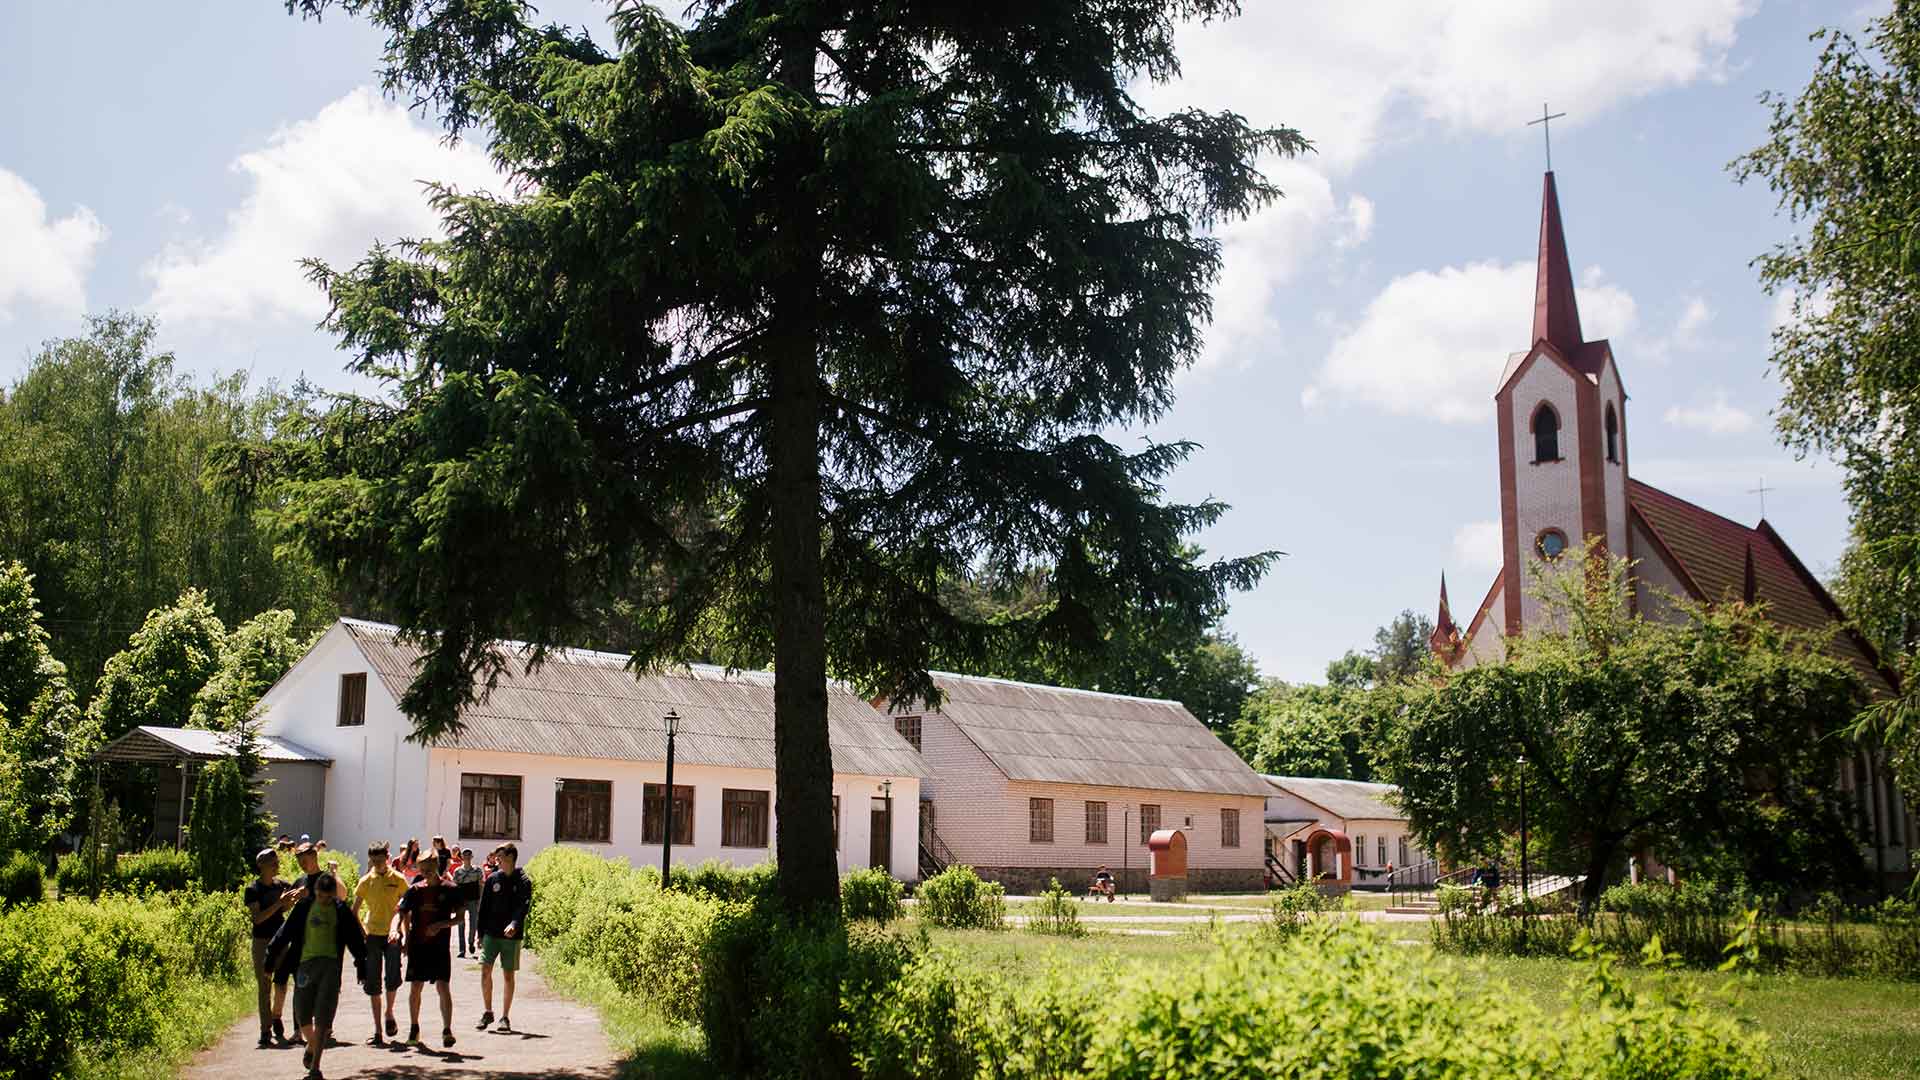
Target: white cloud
{"x":1263,"y":253}
{"x":1693,"y":319}
{"x":1433,"y":343}
{"x":1715,"y":416}
{"x":1478,"y":67}
{"x":1476,"y":546}
{"x":1357,"y":222}
{"x":325,"y":188}
{"x":43,"y":261}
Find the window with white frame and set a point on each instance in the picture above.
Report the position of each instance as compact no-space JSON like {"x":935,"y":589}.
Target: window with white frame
{"x":1359,"y":851}
{"x":1404,"y":860}
{"x":1383,"y":852}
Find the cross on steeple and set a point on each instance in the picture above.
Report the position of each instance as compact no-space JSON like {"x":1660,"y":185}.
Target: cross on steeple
{"x":1762,"y":492}
{"x":1546,"y":127}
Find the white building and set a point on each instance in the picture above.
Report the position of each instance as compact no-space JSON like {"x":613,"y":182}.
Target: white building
{"x":575,"y":752}
{"x":1346,"y":832}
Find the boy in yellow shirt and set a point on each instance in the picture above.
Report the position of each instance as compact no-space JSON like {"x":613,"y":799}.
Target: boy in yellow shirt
{"x":379,"y":893}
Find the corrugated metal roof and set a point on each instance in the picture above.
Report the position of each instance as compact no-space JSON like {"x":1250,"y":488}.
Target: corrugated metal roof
{"x":1346,"y":799}
{"x":1049,"y":733}
{"x":588,"y":704}
{"x":149,"y":742}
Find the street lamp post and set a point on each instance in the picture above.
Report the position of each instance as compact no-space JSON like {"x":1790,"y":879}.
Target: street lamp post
{"x":1526,"y":896}
{"x":672,"y":722}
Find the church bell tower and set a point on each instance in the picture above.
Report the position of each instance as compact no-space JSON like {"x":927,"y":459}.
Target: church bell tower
{"x":1562,"y":413}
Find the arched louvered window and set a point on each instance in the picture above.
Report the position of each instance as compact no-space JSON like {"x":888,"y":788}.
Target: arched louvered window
{"x":1613,"y":435}
{"x":1546,"y":434}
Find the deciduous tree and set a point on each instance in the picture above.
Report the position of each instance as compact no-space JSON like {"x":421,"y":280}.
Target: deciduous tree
{"x":789,"y":315}
{"x":163,"y":668}
{"x":43,"y":735}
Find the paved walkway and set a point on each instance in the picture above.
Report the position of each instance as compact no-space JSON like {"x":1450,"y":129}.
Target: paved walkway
{"x":553,"y":1039}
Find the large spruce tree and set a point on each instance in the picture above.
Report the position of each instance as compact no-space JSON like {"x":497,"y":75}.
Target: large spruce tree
{"x":788,"y":312}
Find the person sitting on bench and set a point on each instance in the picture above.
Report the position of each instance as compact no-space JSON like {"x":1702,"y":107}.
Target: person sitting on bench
{"x":1102,"y":884}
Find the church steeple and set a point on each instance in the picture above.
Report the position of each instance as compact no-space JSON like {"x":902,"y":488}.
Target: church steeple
{"x":1555,"y":316}
{"x":1445,"y":639}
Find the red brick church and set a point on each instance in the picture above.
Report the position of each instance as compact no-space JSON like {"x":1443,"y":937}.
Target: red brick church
{"x":1561,"y":408}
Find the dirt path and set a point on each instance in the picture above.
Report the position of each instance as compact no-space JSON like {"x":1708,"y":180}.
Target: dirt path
{"x":553,"y":1039}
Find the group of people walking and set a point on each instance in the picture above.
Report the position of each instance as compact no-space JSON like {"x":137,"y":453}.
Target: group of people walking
{"x":413,"y":907}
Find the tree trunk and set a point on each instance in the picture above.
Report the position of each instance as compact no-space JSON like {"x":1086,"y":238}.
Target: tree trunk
{"x":1598,"y":856}
{"x":803,"y":757}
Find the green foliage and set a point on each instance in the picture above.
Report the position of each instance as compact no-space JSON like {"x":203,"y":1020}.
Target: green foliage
{"x":252,"y":658}
{"x":108,"y":492}
{"x":155,"y":680}
{"x":139,"y":874}
{"x":1849,"y":357}
{"x":870,"y":893}
{"x":1401,"y":649}
{"x":1635,"y":732}
{"x":1057,"y":913}
{"x":43,"y":735}
{"x":23,"y":880}
{"x":958,"y":899}
{"x":1291,"y":911}
{"x":99,"y":978}
{"x":721,"y":880}
{"x":217,"y":835}
{"x":1308,"y":730}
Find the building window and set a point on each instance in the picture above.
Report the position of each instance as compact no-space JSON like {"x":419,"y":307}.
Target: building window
{"x":1040,"y":821}
{"x":1149,"y":820}
{"x":1546,"y":434}
{"x":1359,"y":851}
{"x":1229,"y":828}
{"x":653,"y":813}
{"x":1551,"y":544}
{"x":353,"y":699}
{"x":1096,"y":823}
{"x":583,"y":811}
{"x":743,"y":821}
{"x":909,"y":729}
{"x":1404,"y":860}
{"x":1613,"y":435}
{"x":1383,"y":852}
{"x":489,"y":807}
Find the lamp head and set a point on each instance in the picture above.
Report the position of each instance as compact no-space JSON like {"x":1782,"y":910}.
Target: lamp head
{"x":672,"y":721}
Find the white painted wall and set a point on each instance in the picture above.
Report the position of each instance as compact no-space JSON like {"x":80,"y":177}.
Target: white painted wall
{"x":376,"y":788}
{"x":1545,"y":495}
{"x":538,"y":772}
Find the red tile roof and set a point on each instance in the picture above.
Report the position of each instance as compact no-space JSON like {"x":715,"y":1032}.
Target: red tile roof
{"x":1721,"y":559}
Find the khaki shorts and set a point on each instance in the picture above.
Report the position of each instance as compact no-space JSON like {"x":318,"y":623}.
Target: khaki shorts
{"x":505,"y":950}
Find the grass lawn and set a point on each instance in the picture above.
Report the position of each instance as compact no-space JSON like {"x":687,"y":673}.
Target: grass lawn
{"x":1819,"y":1028}
{"x":650,"y":1046}
{"x":198,"y":1016}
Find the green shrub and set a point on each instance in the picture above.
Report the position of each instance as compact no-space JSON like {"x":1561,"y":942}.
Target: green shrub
{"x":1289,"y":911}
{"x":723,"y":881}
{"x":957,"y":898}
{"x":1055,"y":913}
{"x":22,"y":880}
{"x":151,"y":871}
{"x":870,"y":893}
{"x":342,"y":863}
{"x":99,"y":976}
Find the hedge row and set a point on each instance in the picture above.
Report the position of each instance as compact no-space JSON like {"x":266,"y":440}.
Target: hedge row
{"x":98,"y":976}
{"x":782,"y":1000}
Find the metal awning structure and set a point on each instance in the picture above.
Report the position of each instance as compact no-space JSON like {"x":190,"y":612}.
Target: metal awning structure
{"x":149,"y":745}
{"x":188,"y":749}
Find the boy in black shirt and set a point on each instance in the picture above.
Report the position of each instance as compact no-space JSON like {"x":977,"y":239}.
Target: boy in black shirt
{"x":505,"y":896}
{"x":428,"y":909}
{"x":267,"y":899}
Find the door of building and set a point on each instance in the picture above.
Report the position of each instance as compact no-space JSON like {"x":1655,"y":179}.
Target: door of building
{"x":881,"y":854}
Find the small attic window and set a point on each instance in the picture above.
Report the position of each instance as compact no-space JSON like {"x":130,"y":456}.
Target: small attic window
{"x":1546,"y":434}
{"x":353,"y":699}
{"x":1613,"y":435}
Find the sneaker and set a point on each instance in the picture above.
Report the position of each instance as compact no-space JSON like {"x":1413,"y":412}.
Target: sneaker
{"x":446,"y":1037}
{"x":306,"y":1058}
{"x":413,"y":1033}
{"x":377,"y":1040}
{"x":506,"y":1026}
{"x":279,"y":1031}
{"x":486,"y":1021}
{"x":266,"y":1038}
{"x":392,"y":1028}
{"x":298,"y":1039}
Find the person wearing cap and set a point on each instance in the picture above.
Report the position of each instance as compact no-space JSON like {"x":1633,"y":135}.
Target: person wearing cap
{"x":466,"y":877}
{"x":309,"y":862}
{"x":268,"y":899}
{"x":378,"y":893}
{"x":317,"y":932}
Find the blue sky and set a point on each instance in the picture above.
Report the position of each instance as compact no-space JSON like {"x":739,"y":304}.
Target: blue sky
{"x":180,"y":159}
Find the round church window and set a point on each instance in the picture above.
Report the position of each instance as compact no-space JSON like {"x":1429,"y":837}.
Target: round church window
{"x":1551,"y":544}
